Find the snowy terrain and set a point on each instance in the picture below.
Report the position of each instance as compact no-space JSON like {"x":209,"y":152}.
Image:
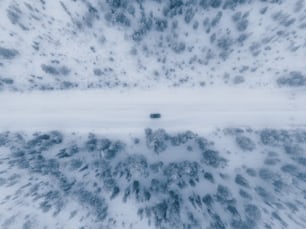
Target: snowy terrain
{"x":230,"y":178}
{"x":110,"y":111}
{"x":66,"y":44}
{"x":80,"y":78}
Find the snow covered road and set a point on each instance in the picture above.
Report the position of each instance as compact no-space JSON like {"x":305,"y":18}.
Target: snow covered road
{"x":129,"y":111}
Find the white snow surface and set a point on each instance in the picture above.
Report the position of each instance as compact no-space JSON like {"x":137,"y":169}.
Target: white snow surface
{"x":138,"y":44}
{"x":80,"y":78}
{"x":129,"y":111}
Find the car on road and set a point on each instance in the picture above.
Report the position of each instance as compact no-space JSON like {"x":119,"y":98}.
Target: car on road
{"x":155,"y":115}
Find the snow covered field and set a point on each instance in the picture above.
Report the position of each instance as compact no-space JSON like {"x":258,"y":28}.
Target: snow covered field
{"x":79,"y":80}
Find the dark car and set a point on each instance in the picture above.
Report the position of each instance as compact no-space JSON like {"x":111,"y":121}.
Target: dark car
{"x":155,"y":115}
